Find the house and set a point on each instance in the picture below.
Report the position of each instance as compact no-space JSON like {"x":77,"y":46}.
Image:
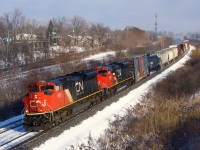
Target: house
{"x":25,"y":36}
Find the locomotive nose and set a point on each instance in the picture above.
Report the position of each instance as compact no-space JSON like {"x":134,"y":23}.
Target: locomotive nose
{"x":32,"y":101}
{"x":35,"y":99}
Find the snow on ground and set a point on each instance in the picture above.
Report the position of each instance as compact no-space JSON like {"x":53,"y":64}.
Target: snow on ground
{"x":56,"y":67}
{"x":13,"y":119}
{"x":14,"y":134}
{"x":99,"y":56}
{"x":10,"y":132}
{"x":97,"y":124}
{"x":59,"y":49}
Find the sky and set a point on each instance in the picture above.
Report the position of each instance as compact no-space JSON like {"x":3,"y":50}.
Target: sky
{"x":179,"y":16}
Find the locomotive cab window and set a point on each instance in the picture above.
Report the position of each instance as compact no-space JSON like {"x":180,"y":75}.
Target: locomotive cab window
{"x":58,"y":88}
{"x":48,"y":87}
{"x":103,"y":72}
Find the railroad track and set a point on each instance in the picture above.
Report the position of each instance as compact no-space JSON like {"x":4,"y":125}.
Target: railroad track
{"x":12,"y":133}
{"x":10,"y":126}
{"x":41,"y":133}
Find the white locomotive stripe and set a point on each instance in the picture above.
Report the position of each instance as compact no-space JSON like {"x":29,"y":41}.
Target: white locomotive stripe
{"x":69,"y":95}
{"x":32,"y":104}
{"x":39,"y":102}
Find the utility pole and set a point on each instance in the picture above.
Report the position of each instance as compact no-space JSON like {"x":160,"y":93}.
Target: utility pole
{"x":8,"y":41}
{"x":156,"y":26}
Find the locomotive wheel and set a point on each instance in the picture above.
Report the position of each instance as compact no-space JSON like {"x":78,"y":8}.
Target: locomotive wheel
{"x":114,"y":91}
{"x":46,"y":126}
{"x":27,"y":127}
{"x":56,"y":122}
{"x":110,"y":93}
{"x":61,"y":119}
{"x":131,"y":82}
{"x":97,"y":99}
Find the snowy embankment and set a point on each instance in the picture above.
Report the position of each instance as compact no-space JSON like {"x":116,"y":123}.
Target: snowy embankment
{"x":99,"y":56}
{"x":96,"y":125}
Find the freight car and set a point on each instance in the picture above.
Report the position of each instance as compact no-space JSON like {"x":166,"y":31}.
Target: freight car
{"x":141,"y":67}
{"x":166,"y":55}
{"x":183,"y":47}
{"x":52,"y":101}
{"x":154,"y":62}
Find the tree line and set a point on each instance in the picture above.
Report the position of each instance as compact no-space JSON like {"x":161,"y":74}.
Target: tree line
{"x":62,"y":31}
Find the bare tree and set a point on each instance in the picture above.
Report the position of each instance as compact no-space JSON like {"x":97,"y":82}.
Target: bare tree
{"x":100,"y":32}
{"x":78,"y":27}
{"x":40,"y":32}
{"x":61,"y":25}
{"x":130,"y":37}
{"x":117,"y":37}
{"x":14,"y":21}
{"x":2,"y":28}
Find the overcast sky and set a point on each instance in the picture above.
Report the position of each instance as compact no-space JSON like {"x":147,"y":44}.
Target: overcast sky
{"x":173,"y":15}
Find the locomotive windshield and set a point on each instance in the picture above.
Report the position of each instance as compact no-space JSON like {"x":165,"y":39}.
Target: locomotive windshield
{"x":102,"y":71}
{"x":47,"y":87}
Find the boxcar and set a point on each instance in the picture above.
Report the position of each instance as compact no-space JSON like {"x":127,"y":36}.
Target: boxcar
{"x":141,"y":70}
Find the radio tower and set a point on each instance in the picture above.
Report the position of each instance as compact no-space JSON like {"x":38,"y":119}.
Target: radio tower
{"x":156,"y":24}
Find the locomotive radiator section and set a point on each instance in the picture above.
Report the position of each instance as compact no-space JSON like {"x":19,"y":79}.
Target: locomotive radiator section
{"x":84,"y":89}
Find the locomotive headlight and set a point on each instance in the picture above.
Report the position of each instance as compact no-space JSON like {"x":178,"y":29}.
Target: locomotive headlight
{"x":36,"y":96}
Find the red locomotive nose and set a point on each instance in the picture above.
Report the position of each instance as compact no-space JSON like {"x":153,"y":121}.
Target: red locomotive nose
{"x":36,"y":101}
{"x":32,"y":101}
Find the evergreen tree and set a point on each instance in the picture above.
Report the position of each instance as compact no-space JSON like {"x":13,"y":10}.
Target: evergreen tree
{"x":49,"y":32}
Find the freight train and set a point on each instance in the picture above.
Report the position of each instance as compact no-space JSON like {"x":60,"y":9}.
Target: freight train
{"x":50,"y":102}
